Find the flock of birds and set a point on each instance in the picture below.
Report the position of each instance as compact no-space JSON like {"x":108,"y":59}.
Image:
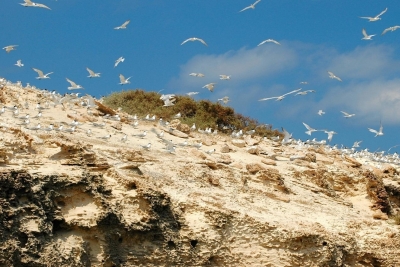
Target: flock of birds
{"x":170,"y":99}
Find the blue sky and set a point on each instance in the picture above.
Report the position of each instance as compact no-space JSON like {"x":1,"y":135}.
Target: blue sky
{"x":315,"y":36}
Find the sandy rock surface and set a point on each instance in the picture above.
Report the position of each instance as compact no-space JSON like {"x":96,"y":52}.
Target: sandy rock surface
{"x":79,"y":199}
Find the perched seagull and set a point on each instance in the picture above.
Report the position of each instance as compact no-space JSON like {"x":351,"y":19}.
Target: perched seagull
{"x":287,"y":138}
{"x":123,"y":80}
{"x":333,"y":76}
{"x":330,"y":134}
{"x":194,"y":39}
{"x":279,"y":98}
{"x":19,"y":63}
{"x":380,"y":133}
{"x":9,"y":48}
{"x":225,"y":99}
{"x":269,"y":41}
{"x":193,"y":128}
{"x":147,"y":147}
{"x":195,"y":74}
{"x":356,"y":144}
{"x":305,"y":92}
{"x":309,"y":129}
{"x":106,"y":137}
{"x":252,"y":6}
{"x":377,"y":17}
{"x":32,"y":4}
{"x":390,"y":29}
{"x":347,"y":115}
{"x":119,"y":60}
{"x":123,"y":26}
{"x":73,"y":86}
{"x":177,"y":116}
{"x":209,"y":86}
{"x":224,"y":77}
{"x":192,"y":93}
{"x":366,"y":36}
{"x":41,"y":75}
{"x":92,"y":74}
{"x":321,"y":112}
{"x":141,"y":135}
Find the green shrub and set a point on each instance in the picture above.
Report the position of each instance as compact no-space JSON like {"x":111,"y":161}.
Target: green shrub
{"x":204,"y":112}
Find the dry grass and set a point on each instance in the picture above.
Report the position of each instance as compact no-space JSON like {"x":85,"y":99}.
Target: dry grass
{"x":204,"y":113}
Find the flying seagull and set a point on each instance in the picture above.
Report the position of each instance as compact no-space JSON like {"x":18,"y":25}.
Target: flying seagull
{"x":252,"y":6}
{"x":123,"y":80}
{"x":119,"y":60}
{"x":305,"y":92}
{"x":41,"y":76}
{"x":309,"y":129}
{"x":330,"y":134}
{"x":377,"y":17}
{"x":333,"y":76}
{"x":123,"y":26}
{"x":390,"y":29}
{"x":366,"y":36}
{"x":225,"y":99}
{"x":347,"y":115}
{"x":194,"y":74}
{"x":92,"y":74}
{"x":380,"y":133}
{"x":9,"y":48}
{"x":192,"y":93}
{"x":357,"y":144}
{"x":209,"y":86}
{"x":321,"y":112}
{"x":73,"y":86}
{"x":194,"y":39}
{"x":19,"y":63}
{"x":32,"y":4}
{"x":269,"y":41}
{"x":224,"y":77}
{"x":279,"y":98}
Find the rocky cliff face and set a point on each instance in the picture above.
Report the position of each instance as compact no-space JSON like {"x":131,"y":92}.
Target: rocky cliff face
{"x":69,"y":199}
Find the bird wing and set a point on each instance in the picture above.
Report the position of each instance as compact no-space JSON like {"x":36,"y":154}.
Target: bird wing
{"x":331,"y":74}
{"x":256,"y":2}
{"x":372,"y":130}
{"x":307,"y":126}
{"x":43,"y":6}
{"x":71,"y":82}
{"x":386,"y":30}
{"x":263,"y":42}
{"x":39,"y":72}
{"x":337,"y":78}
{"x":122,"y":78}
{"x":364,"y":33}
{"x":345,"y":113}
{"x":380,"y":14}
{"x":90,"y":72}
{"x":268,"y":98}
{"x":381,"y":128}
{"x":245,"y":8}
{"x":187,"y":40}
{"x":294,"y":91}
{"x":202,"y":41}
{"x":125,"y":23}
{"x":28,"y":1}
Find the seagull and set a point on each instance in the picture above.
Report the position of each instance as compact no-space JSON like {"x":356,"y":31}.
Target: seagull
{"x":34,"y":128}
{"x":347,"y":115}
{"x":147,"y":147}
{"x":119,"y":60}
{"x":269,"y":41}
{"x":279,"y":98}
{"x":305,"y":92}
{"x":123,"y":80}
{"x":177,"y":116}
{"x":303,"y":82}
{"x":73,"y":86}
{"x":287,"y":138}
{"x":9,"y":48}
{"x":390,"y":29}
{"x":330,"y":134}
{"x":41,"y":76}
{"x":209,"y":86}
{"x":309,"y":129}
{"x":210,"y":151}
{"x":224,"y":77}
{"x":321,"y":112}
{"x":142,"y":135}
{"x":19,"y":63}
{"x":70,"y":130}
{"x":32,"y":4}
{"x":225,"y":99}
{"x":356,"y":144}
{"x":194,"y":39}
{"x":380,"y":133}
{"x":252,"y":6}
{"x":333,"y":76}
{"x":158,"y":134}
{"x":49,"y":129}
{"x":106,"y":137}
{"x":192,"y":93}
{"x":123,"y":26}
{"x":377,"y":17}
{"x":195,"y":74}
{"x":193,"y":127}
{"x":92,"y":74}
{"x":366,"y":36}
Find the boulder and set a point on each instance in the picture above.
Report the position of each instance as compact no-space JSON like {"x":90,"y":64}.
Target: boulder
{"x":238,"y":143}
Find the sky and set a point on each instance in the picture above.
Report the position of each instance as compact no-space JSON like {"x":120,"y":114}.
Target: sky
{"x":315,"y":36}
